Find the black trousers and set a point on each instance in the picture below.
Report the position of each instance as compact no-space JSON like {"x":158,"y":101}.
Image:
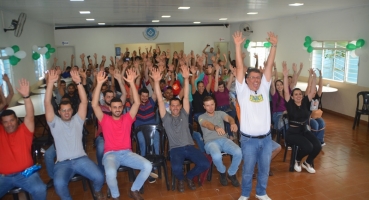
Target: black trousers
{"x":308,"y":144}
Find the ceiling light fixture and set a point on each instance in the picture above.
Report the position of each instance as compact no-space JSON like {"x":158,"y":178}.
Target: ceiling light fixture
{"x":223,"y":19}
{"x":197,"y":22}
{"x":84,"y":12}
{"x":165,"y":16}
{"x":77,"y":0}
{"x":90,"y":19}
{"x":155,"y":20}
{"x":296,"y":4}
{"x":252,"y":13}
{"x":183,"y":8}
{"x":101,"y":23}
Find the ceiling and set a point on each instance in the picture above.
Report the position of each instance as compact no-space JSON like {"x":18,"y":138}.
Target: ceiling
{"x":62,"y":13}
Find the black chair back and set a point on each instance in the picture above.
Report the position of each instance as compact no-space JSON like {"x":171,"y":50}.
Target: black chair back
{"x":148,"y":132}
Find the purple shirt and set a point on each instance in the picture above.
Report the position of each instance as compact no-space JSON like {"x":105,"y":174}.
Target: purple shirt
{"x":222,"y":98}
{"x":278,"y":106}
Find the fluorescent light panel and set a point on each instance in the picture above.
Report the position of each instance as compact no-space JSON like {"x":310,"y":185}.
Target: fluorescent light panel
{"x":196,"y":22}
{"x":296,"y":4}
{"x":84,"y":12}
{"x":90,"y":19}
{"x":183,"y":8}
{"x":252,"y":13}
{"x":165,"y":16}
{"x":77,"y":0}
{"x":101,"y":23}
{"x":223,"y":19}
{"x":155,"y":21}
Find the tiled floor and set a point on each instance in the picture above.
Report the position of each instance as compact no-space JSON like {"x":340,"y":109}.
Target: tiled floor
{"x":342,"y":173}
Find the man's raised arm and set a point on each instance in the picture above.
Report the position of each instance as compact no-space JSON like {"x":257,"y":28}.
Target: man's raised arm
{"x":82,"y":108}
{"x":101,"y":78}
{"x":131,"y":77}
{"x":273,"y":39}
{"x":29,"y":119}
{"x":156,"y":76}
{"x":238,"y":40}
{"x":186,"y":75}
{"x":49,"y":109}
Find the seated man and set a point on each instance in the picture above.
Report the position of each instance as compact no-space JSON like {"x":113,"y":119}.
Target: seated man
{"x":15,"y":148}
{"x":67,"y":133}
{"x":117,"y":136}
{"x":176,"y":127}
{"x":216,"y":141}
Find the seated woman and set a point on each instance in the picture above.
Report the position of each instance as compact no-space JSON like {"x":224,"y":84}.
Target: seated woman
{"x":221,"y":94}
{"x":298,"y":114}
{"x":278,"y":104}
{"x":316,"y":122}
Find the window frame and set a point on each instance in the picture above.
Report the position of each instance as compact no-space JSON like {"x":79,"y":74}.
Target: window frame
{"x":255,"y":45}
{"x":40,"y":66}
{"x":3,"y":71}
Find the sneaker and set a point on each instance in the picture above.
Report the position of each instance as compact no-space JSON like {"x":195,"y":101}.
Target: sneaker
{"x":234,"y":180}
{"x":289,"y":148}
{"x":297,"y":167}
{"x":151,"y":179}
{"x":323,"y":144}
{"x":99,"y":195}
{"x":191,"y":184}
{"x":308,"y":168}
{"x":135,"y":195}
{"x":263,"y":197}
{"x":243,"y":198}
{"x":180,"y":185}
{"x":154,"y":175}
{"x":223,"y":179}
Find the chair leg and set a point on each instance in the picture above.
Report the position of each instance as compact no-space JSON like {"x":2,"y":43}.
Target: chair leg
{"x":91,"y":189}
{"x":28,"y":196}
{"x":285,"y":152}
{"x":15,"y":196}
{"x":108,"y":193}
{"x":131,"y":175}
{"x":84,"y":184}
{"x":210,"y":173}
{"x":358,"y":120}
{"x":173,"y":180}
{"x":293,"y":157}
{"x":355,"y":119}
{"x":166,"y":175}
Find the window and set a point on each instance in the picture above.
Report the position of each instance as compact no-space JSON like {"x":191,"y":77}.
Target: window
{"x":259,"y":49}
{"x":5,"y":68}
{"x":40,"y":66}
{"x":335,"y":61}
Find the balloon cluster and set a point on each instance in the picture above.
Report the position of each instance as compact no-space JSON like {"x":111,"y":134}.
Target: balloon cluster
{"x":359,"y":43}
{"x":14,"y":54}
{"x":247,"y":43}
{"x":47,"y":50}
{"x":307,"y":44}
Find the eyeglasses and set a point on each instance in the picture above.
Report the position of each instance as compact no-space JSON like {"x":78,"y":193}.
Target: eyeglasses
{"x":66,"y":110}
{"x":254,"y":77}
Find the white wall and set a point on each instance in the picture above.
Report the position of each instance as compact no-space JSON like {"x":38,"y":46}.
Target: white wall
{"x":349,"y":24}
{"x":34,"y":33}
{"x":102,"y":40}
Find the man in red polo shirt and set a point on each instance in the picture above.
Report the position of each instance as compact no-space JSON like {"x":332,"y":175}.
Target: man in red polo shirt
{"x":15,"y":148}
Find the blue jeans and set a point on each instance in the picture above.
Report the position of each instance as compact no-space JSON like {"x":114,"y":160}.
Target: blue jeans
{"x":113,"y":159}
{"x":227,"y":109}
{"x":49,"y":156}
{"x":179,"y":154}
{"x":142,"y":143}
{"x":215,"y":149}
{"x":65,"y":170}
{"x":199,"y":141}
{"x":33,"y":185}
{"x":318,"y":128}
{"x":254,"y":151}
{"x":99,"y":143}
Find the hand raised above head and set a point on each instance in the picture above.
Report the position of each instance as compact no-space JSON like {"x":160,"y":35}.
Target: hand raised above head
{"x":75,"y":76}
{"x":131,"y":75}
{"x":294,"y":67}
{"x":101,"y":77}
{"x":155,"y":74}
{"x":23,"y":88}
{"x":52,"y":76}
{"x":238,"y":38}
{"x":82,"y":73}
{"x":185,"y":71}
{"x":273,"y":39}
{"x":285,"y":69}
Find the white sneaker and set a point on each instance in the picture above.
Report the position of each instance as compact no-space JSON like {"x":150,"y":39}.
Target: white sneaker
{"x":243,"y":198}
{"x":264,"y":197}
{"x":297,"y":167}
{"x":308,"y":168}
{"x":323,"y":144}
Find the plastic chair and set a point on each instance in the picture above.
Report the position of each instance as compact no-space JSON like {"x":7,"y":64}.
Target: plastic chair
{"x":131,"y":176}
{"x":295,"y":148}
{"x":364,"y":95}
{"x":15,"y":192}
{"x":78,"y":177}
{"x":158,"y":161}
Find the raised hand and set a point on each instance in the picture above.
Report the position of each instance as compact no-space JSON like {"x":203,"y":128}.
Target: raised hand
{"x":234,"y":72}
{"x":294,"y":67}
{"x":111,"y":59}
{"x":193,"y":69}
{"x":82,"y":73}
{"x":320,"y":72}
{"x":23,"y":88}
{"x":75,"y":76}
{"x":170,"y":67}
{"x":301,"y":65}
{"x":55,"y":60}
{"x":217,"y":67}
{"x":58,"y":70}
{"x":72,"y":56}
{"x":52,"y":76}
{"x":243,"y":55}
{"x":103,"y":58}
{"x":285,"y":69}
{"x":101,"y":77}
{"x":256,"y":55}
{"x":118,"y":75}
{"x":64,"y":63}
{"x":185,"y":71}
{"x":5,"y":78}
{"x":155,"y":74}
{"x":272,"y":38}
{"x":95,"y":55}
{"x":131,"y":75}
{"x":90,"y":61}
{"x":238,"y":38}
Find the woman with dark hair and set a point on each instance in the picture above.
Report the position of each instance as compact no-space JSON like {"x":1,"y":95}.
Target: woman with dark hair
{"x":278,"y":103}
{"x":298,"y":110}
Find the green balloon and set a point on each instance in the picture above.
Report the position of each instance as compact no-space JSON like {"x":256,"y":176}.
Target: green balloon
{"x":350,"y":47}
{"x":35,"y":56}
{"x":13,"y":60}
{"x":48,"y":46}
{"x":310,"y":49}
{"x":15,"y":48}
{"x":308,"y":39}
{"x":52,"y":50}
{"x":267,"y":44}
{"x":47,"y":55}
{"x":245,"y":45}
{"x":306,"y":44}
{"x":360,"y":43}
{"x":247,"y":41}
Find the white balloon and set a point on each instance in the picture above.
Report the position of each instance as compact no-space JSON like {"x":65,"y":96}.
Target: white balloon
{"x":43,"y":50}
{"x":35,"y":48}
{"x":248,"y":48}
{"x":315,"y":44}
{"x":353,"y":42}
{"x":20,"y":54}
{"x":353,"y":54}
{"x":9,"y":51}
